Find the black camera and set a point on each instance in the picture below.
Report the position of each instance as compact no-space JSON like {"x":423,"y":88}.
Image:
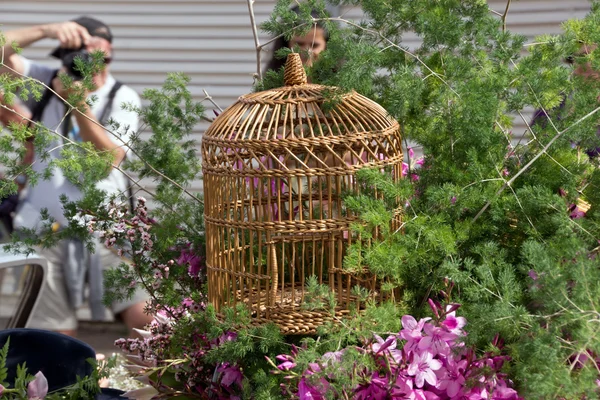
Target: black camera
{"x":68,"y":61}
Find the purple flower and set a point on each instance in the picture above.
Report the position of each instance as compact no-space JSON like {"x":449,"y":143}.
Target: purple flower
{"x":422,"y":368}
{"x":231,"y":375}
{"x":228,"y":336}
{"x":533,"y":275}
{"x":308,"y":392}
{"x":332,"y":357}
{"x":453,"y":323}
{"x":412,"y":331}
{"x":451,"y":379}
{"x":576,"y":212}
{"x":375,"y":389}
{"x":437,"y":341}
{"x":192,"y":260}
{"x":287,"y":362}
{"x":286,"y":365}
{"x":403,"y":388}
{"x":388,"y":346}
{"x":501,"y":392}
{"x":37,"y":389}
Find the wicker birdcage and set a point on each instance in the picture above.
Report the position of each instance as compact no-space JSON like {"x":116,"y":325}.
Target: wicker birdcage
{"x":276,"y":165}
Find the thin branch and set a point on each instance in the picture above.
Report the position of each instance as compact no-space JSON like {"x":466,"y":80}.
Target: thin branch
{"x":209,"y":98}
{"x":256,"y":41}
{"x":505,"y":15}
{"x":259,"y":47}
{"x":533,"y":160}
{"x":70,"y":142}
{"x":133,"y":151}
{"x":391,"y":44}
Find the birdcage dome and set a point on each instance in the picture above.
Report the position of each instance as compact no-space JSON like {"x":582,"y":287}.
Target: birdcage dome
{"x":276,"y":166}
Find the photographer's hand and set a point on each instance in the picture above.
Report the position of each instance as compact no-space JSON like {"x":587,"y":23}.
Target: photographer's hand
{"x":70,"y":34}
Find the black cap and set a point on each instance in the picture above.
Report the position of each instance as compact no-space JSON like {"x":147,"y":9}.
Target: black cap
{"x":94,"y":27}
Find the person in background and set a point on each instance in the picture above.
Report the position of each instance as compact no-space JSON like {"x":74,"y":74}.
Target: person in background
{"x":15,"y":113}
{"x":68,"y":262}
{"x":309,"y":45}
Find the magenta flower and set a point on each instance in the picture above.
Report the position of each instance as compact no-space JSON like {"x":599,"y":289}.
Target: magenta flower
{"x":437,"y":366}
{"x":575,"y":212}
{"x":437,"y":340}
{"x":192,"y":260}
{"x":286,"y":366}
{"x":287,"y":362}
{"x":332,"y":357}
{"x":451,"y":379}
{"x":412,"y":332}
{"x":228,"y":336}
{"x":403,"y":388}
{"x":502,"y":392}
{"x":412,"y":165}
{"x":533,"y":275}
{"x":388,"y":346}
{"x":375,"y":389}
{"x":37,"y":389}
{"x":231,"y":375}
{"x":425,"y":395}
{"x":308,"y":392}
{"x":422,"y":368}
{"x":453,"y":323}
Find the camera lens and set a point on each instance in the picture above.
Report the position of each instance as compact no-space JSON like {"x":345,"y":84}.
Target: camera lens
{"x":70,"y":64}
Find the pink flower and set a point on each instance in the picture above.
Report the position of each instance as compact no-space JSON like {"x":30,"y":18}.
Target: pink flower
{"x":453,"y":323}
{"x":403,"y":389}
{"x":308,"y":392}
{"x":425,"y":395}
{"x":412,"y":331}
{"x":501,"y":392}
{"x":332,"y":357}
{"x":412,"y":165}
{"x":389,"y":347}
{"x":576,"y":212}
{"x":533,"y":275}
{"x":437,"y":341}
{"x":1,"y":389}
{"x":231,"y":375}
{"x":37,"y":389}
{"x":422,"y":368}
{"x":286,"y":366}
{"x":376,"y":389}
{"x":451,"y":379}
{"x":192,"y":260}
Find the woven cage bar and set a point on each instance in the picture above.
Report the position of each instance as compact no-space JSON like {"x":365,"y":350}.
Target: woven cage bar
{"x":276,"y":165}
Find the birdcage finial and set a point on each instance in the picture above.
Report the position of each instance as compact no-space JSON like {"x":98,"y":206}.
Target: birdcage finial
{"x":294,"y":71}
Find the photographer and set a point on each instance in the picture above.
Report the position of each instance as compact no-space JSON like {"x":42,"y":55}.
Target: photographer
{"x":63,"y":292}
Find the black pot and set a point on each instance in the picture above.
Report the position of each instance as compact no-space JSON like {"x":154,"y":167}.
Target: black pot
{"x":61,"y":358}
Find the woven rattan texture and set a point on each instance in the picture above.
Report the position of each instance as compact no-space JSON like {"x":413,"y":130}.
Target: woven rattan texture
{"x":276,"y":166}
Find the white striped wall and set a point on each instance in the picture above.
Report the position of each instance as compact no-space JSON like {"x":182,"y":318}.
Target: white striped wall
{"x":211,"y":40}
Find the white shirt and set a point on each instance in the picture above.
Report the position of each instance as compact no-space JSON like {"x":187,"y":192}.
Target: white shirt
{"x":47,"y":193}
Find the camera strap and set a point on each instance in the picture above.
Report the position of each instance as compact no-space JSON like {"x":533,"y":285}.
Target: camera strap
{"x":109,"y":102}
{"x":38,"y":108}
